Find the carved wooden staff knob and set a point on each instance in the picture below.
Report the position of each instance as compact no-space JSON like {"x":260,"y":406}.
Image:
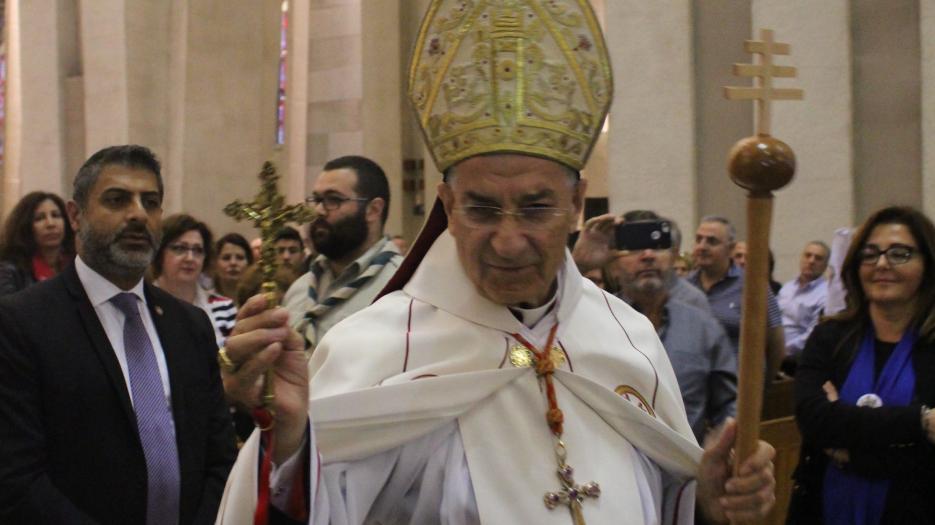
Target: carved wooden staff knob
{"x":761,"y":163}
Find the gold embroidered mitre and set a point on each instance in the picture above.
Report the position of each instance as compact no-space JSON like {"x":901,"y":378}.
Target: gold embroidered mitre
{"x":523,"y":76}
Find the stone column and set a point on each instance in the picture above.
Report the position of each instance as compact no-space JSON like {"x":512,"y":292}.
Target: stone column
{"x":356,"y":89}
{"x":174,"y":163}
{"x":230,"y":105}
{"x":34,"y":135}
{"x":721,"y":26}
{"x":297,"y":72}
{"x":927,"y":29}
{"x":104,"y":59}
{"x":383,"y":98}
{"x":335,"y":84}
{"x":651,"y":157}
{"x":819,"y":129}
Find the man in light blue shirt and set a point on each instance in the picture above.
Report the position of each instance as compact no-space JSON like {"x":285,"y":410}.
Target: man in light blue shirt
{"x":702,"y":357}
{"x":722,"y":281}
{"x":802,"y":299}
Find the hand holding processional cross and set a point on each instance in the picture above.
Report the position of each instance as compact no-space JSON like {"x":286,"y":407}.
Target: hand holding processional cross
{"x":759,"y":164}
{"x":269,"y":214}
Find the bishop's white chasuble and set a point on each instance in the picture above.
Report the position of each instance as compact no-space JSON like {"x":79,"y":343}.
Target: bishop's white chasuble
{"x":420,"y":413}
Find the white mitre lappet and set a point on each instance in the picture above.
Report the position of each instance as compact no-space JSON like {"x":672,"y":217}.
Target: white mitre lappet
{"x":492,"y":76}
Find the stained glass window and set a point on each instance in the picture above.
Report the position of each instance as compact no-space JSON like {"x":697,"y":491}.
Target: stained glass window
{"x":2,"y":104}
{"x":281,"y":94}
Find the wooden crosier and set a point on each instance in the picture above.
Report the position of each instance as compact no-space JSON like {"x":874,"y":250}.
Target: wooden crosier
{"x":759,"y":164}
{"x":269,"y":214}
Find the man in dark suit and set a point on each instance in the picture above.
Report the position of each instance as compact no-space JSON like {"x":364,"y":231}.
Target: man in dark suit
{"x":111,"y":404}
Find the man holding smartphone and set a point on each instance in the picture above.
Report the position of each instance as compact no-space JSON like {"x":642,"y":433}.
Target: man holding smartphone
{"x":639,"y":268}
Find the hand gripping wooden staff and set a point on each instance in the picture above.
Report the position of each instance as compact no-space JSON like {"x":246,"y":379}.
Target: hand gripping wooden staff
{"x":759,"y":164}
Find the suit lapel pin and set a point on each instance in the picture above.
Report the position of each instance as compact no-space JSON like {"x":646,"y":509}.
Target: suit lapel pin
{"x":158,"y":310}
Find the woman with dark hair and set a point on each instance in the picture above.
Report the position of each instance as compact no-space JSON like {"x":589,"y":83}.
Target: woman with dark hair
{"x":183,"y":255}
{"x":866,"y":381}
{"x":37,"y":242}
{"x":234,"y":256}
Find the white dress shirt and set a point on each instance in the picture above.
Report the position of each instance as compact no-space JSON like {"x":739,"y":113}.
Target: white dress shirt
{"x":100,"y":291}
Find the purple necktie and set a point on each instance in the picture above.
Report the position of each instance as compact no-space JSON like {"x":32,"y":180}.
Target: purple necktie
{"x":153,"y":416}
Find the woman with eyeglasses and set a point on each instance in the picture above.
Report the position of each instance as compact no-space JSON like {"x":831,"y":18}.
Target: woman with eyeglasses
{"x":183,"y":255}
{"x":37,"y":242}
{"x":865,"y":383}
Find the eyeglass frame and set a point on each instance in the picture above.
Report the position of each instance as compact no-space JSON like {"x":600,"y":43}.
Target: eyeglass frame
{"x":291,"y":250}
{"x":181,"y":249}
{"x":314,"y":201}
{"x":519,"y":216}
{"x":865,"y":260}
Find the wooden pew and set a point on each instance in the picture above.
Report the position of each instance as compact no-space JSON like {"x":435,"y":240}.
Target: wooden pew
{"x":783,"y":435}
{"x":779,"y":399}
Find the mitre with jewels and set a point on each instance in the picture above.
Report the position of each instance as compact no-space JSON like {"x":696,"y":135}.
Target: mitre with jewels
{"x":505,"y":76}
{"x":510,"y":76}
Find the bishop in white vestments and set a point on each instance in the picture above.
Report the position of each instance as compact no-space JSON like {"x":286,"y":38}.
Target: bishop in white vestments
{"x":491,"y":383}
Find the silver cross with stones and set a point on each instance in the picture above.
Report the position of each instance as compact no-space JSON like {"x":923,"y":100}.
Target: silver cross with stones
{"x":571,"y":495}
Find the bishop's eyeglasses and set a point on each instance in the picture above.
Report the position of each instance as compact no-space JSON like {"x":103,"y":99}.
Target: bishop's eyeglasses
{"x":895,"y":254}
{"x":529,"y":217}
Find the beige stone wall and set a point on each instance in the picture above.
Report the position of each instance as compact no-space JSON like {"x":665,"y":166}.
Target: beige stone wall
{"x":229,"y":105}
{"x":651,"y":141}
{"x":34,"y":154}
{"x":819,"y":128}
{"x":720,"y":27}
{"x":356,"y":90}
{"x":887,"y":104}
{"x":927,"y":44}
{"x":335,"y":83}
{"x":196,"y":80}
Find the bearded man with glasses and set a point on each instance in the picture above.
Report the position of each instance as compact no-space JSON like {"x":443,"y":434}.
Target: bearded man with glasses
{"x":491,"y":383}
{"x":355,"y":259}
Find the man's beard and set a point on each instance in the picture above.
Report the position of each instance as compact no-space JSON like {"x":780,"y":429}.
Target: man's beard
{"x":335,"y":241}
{"x":101,"y":251}
{"x":647,"y":285}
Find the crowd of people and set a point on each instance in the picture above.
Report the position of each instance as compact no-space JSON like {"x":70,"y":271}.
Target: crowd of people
{"x":867,"y":428}
{"x":482,"y":378}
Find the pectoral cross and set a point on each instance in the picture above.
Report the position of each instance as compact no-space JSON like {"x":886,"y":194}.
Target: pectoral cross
{"x":571,"y":495}
{"x":269,"y":215}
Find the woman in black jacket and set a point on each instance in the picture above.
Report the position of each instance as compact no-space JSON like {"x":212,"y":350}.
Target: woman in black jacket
{"x":865,"y":381}
{"x":37,"y":242}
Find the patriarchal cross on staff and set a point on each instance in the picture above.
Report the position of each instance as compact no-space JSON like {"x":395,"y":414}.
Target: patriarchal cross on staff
{"x":759,"y":164}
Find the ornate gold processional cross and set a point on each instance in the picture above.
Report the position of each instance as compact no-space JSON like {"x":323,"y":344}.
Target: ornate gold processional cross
{"x":269,"y":214}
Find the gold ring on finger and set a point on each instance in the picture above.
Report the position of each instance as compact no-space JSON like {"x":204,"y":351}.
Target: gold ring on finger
{"x":224,"y":361}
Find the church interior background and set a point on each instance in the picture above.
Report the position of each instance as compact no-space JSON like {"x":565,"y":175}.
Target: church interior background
{"x":216,"y":87}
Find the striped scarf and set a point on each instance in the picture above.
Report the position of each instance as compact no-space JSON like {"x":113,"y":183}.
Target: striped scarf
{"x":320,"y":307}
